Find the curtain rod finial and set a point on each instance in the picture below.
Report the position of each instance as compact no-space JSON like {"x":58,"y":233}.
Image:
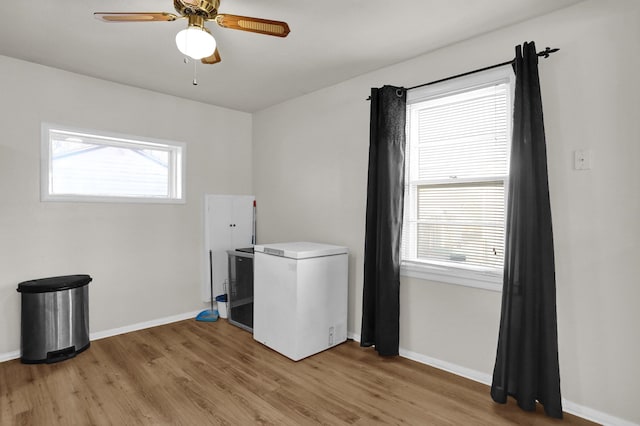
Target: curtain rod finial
{"x":547,"y":51}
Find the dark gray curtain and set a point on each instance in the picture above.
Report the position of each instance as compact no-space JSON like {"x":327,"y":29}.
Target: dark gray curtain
{"x":385,"y":197}
{"x":527,"y":355}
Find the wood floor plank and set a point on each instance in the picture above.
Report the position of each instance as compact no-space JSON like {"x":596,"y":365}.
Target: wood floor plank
{"x":190,"y":373}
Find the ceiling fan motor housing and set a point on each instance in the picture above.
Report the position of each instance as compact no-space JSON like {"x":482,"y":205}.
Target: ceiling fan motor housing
{"x":208,"y":9}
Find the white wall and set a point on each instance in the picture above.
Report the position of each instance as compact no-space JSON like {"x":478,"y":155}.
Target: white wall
{"x":146,"y":259}
{"x":310,"y":172}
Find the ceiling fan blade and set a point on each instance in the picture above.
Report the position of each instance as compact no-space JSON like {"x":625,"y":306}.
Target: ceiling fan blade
{"x":254,"y":25}
{"x":213,"y":59}
{"x":135,"y":16}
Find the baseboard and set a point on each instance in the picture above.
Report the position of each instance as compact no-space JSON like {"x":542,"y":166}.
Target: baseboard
{"x":449,"y":367}
{"x":594,"y":415}
{"x":439,"y":364}
{"x":141,"y":325}
{"x":120,"y":330}
{"x":484,"y":378}
{"x":8,"y":356}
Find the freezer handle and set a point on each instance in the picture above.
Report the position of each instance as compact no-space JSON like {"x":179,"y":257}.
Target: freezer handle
{"x":274,"y":252}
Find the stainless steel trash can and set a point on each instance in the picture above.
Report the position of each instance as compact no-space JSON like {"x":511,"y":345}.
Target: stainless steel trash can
{"x":55,"y":318}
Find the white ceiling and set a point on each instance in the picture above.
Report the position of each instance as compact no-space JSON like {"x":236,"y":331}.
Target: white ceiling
{"x":330,"y":41}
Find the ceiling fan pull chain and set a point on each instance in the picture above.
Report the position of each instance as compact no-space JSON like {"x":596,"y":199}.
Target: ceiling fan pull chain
{"x":195,"y":74}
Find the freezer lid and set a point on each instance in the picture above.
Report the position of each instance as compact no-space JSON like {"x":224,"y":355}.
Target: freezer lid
{"x":300,"y":250}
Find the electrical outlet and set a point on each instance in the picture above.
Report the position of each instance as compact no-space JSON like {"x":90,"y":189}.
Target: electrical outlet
{"x":582,"y":159}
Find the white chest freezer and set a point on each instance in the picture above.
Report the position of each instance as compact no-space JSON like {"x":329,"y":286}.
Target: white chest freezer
{"x":300,"y":297}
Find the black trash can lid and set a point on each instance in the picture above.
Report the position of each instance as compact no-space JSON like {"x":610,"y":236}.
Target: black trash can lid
{"x":45,"y":285}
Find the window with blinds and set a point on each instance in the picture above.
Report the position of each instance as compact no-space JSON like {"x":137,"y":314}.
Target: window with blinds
{"x":458,"y":139}
{"x":84,"y":166}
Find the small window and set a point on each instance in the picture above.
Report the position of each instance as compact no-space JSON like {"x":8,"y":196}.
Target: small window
{"x":80,"y":165}
{"x":458,"y":140}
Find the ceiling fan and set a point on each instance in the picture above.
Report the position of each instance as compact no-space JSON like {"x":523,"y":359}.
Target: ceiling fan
{"x":196,"y":41}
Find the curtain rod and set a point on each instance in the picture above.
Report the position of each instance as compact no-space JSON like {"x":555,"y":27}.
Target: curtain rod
{"x":545,"y":54}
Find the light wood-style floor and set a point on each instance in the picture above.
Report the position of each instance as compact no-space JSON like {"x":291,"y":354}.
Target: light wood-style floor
{"x":191,"y":373}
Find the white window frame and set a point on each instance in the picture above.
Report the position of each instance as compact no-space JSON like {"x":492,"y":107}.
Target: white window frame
{"x":177,"y":165}
{"x":468,"y":276}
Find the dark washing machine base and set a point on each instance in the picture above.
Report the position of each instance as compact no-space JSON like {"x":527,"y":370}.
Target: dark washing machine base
{"x":57,"y":356}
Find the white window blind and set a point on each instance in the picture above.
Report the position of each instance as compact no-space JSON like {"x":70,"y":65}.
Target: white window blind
{"x":462,"y":223}
{"x":457,"y":158}
{"x":85,"y":166}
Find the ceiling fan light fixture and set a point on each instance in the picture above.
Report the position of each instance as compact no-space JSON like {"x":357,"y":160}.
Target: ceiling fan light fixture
{"x":195,"y":42}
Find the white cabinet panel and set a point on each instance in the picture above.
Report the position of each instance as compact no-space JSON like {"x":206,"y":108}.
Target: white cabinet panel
{"x":228,"y":226}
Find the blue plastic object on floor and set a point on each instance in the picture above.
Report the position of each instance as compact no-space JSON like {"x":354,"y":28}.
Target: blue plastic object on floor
{"x":208,"y":315}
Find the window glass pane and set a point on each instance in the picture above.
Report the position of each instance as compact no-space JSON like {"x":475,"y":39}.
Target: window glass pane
{"x":86,"y":165}
{"x":89,"y":169}
{"x":462,"y":223}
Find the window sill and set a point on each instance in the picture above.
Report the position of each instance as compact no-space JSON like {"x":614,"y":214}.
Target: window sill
{"x":109,"y":199}
{"x":448,"y":275}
